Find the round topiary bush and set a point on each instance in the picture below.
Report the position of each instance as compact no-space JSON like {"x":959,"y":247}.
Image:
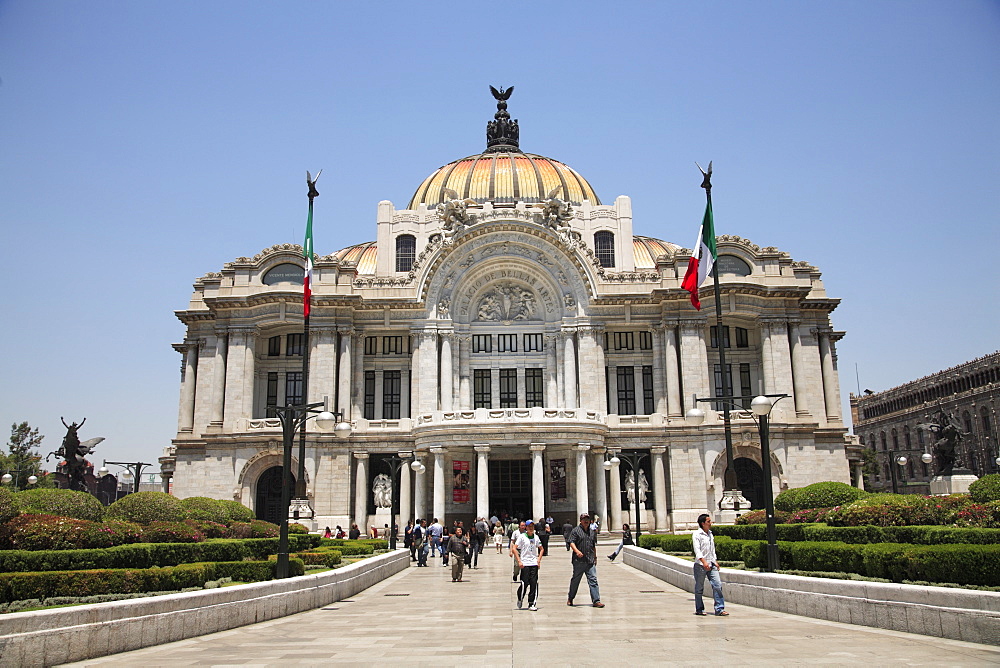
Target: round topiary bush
{"x":205,"y":509}
{"x":236,"y":511}
{"x":61,"y":502}
{"x":8,"y":508}
{"x":238,"y":530}
{"x":112,"y":533}
{"x":986,"y":489}
{"x":787,"y":499}
{"x":145,"y":507}
{"x":171,"y":532}
{"x":44,"y":532}
{"x":262,"y":529}
{"x":295,"y":527}
{"x":826,"y":495}
{"x":208,"y":529}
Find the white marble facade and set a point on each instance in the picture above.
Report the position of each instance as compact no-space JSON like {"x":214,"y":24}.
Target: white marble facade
{"x":606,"y":358}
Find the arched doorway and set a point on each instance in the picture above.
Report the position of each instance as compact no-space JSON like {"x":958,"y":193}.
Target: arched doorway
{"x":268,"y":507}
{"x":750,"y":481}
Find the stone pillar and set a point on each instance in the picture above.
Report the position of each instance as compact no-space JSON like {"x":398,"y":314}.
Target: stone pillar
{"x":601,"y":489}
{"x":582,"y":493}
{"x":427,"y":380}
{"x":482,"y":480}
{"x":361,"y":492}
{"x":537,"y":481}
{"x":778,"y":366}
{"x":165,"y":483}
{"x":672,"y":373}
{"x":185,"y":419}
{"x":694,"y":361}
{"x":569,"y":364}
{"x":592,"y":390}
{"x":358,"y":376}
{"x":831,"y":385}
{"x":322,"y":364}
{"x":447,"y":380}
{"x":615,"y":498}
{"x":344,"y":373}
{"x":659,"y":380}
{"x":219,"y":380}
{"x":439,"y":498}
{"x":551,"y":371}
{"x":464,"y":380}
{"x":405,"y":496}
{"x":419,"y":495}
{"x":659,"y":487}
{"x":798,"y":362}
{"x":239,"y":375}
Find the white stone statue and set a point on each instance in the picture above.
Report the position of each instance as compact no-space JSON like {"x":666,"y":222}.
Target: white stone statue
{"x":630,"y":486}
{"x":382,"y":491}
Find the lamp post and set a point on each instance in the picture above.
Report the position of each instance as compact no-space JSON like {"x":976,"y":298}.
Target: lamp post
{"x":133,"y":470}
{"x":7,"y":478}
{"x":760,"y":408}
{"x":395,"y":464}
{"x":292,"y":419}
{"x":633,"y":459}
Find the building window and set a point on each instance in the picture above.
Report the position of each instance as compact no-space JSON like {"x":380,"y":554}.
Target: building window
{"x":406,"y":252}
{"x":293,"y":388}
{"x":604,"y":246}
{"x":274,"y":346}
{"x":967,"y":421}
{"x":482,"y":390}
{"x":508,"y":388}
{"x":391,"y":384}
{"x":393,"y":345}
{"x":714,"y":331}
{"x":626,"y":390}
{"x":895,"y":440}
{"x":745,"y":389}
{"x":624,"y":341}
{"x":920,"y":437}
{"x":294,"y":345}
{"x":272,"y":394}
{"x":984,"y":417}
{"x":506,"y":343}
{"x":885,"y":447}
{"x":906,"y":437}
{"x":482,"y":343}
{"x":742,"y":339}
{"x":533,"y":343}
{"x":533,"y":393}
{"x":369,"y":395}
{"x":720,"y":391}
{"x":607,"y":386}
{"x":645,"y":340}
{"x":371,"y":345}
{"x":647,"y":390}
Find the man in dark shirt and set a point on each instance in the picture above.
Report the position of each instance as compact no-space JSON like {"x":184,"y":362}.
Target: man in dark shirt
{"x":584,"y":548}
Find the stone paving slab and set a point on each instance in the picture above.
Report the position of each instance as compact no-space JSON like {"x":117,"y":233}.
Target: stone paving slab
{"x":477,"y":623}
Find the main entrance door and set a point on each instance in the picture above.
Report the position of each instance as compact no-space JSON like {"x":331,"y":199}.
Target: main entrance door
{"x":510,"y":488}
{"x":268,"y":506}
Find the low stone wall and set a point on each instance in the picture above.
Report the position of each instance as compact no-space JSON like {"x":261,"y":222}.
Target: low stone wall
{"x":959,"y":614}
{"x":62,"y":635}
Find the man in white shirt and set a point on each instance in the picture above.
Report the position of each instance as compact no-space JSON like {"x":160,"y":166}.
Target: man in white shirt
{"x":706,"y":565}
{"x":528,"y":553}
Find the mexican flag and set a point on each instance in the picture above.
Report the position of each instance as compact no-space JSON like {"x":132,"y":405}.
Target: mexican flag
{"x":703,"y":258}
{"x":307,"y":253}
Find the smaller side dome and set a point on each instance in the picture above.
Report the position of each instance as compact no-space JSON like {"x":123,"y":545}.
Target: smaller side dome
{"x":363,"y":255}
{"x":647,"y":249}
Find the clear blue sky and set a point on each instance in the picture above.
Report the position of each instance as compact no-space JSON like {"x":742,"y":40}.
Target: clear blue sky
{"x":143,"y":144}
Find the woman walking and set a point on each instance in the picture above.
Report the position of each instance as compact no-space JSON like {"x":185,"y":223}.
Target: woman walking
{"x":498,"y":533}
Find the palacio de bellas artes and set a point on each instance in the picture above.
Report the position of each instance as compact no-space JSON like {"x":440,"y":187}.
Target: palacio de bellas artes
{"x":506,"y":333}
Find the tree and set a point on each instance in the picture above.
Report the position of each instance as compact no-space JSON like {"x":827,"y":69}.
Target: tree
{"x":869,"y":467}
{"x":23,"y":459}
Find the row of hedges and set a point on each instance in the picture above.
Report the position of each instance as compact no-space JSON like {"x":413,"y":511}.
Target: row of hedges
{"x":917,"y":535}
{"x":48,"y":584}
{"x":891,"y":510}
{"x":328,"y":558}
{"x":146,"y":555}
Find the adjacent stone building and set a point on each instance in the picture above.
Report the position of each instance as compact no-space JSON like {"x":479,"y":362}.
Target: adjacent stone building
{"x":508,"y":330}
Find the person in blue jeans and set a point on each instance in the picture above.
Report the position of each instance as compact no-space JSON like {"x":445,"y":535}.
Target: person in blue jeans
{"x":583,"y":545}
{"x":436,"y":531}
{"x":706,"y":566}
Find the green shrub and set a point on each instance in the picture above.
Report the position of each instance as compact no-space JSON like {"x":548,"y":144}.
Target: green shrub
{"x":667,"y":542}
{"x":208,"y":529}
{"x":853,"y":535}
{"x":44,"y":532}
{"x":824,"y":556}
{"x":328,"y":558}
{"x":61,"y":502}
{"x":8,"y":508}
{"x":759,"y":531}
{"x":295,"y":527}
{"x":899,"y":510}
{"x":203,"y":508}
{"x":236,"y":511}
{"x":754,"y":554}
{"x":760,"y":517}
{"x":787,"y":500}
{"x":262,"y":529}
{"x":986,"y":489}
{"x":826,"y":495}
{"x":238,"y":530}
{"x":171,"y":532}
{"x":355,"y":549}
{"x":111,"y":533}
{"x":145,"y":507}
{"x":977,"y":515}
{"x":809,"y":516}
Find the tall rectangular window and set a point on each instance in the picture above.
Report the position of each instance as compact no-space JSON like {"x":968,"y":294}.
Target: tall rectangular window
{"x":274,"y":346}
{"x":507,"y":343}
{"x":508,"y":388}
{"x":482,"y":343}
{"x":624,"y":341}
{"x":392,"y":345}
{"x":745,"y":388}
{"x":533,"y":343}
{"x":719,"y":390}
{"x":272,"y":394}
{"x":391,"y":386}
{"x":607,"y":386}
{"x":645,"y":340}
{"x":742,"y":339}
{"x":369,"y":395}
{"x":293,"y":388}
{"x":533,"y":392}
{"x":482,"y":390}
{"x":371,"y":345}
{"x":714,"y":330}
{"x":647,"y":390}
{"x":294,"y":344}
{"x":626,"y":390}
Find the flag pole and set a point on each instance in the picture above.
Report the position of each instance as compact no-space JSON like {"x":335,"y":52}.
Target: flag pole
{"x":300,"y":480}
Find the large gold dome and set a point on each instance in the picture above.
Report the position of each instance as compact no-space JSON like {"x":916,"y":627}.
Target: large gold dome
{"x":504,"y":177}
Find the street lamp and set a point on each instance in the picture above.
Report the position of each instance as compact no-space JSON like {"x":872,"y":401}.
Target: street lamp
{"x":901,"y":462}
{"x":292,"y":418}
{"x":633,"y":459}
{"x":7,"y":478}
{"x":395,"y":464}
{"x":133,"y":472}
{"x":760,"y":408}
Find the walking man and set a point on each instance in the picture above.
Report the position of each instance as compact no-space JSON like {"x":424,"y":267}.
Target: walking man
{"x":706,"y":565}
{"x":528,"y":553}
{"x":458,"y":547}
{"x":425,"y":544}
{"x":584,"y":548}
{"x":435,"y":531}
{"x":514,"y":535}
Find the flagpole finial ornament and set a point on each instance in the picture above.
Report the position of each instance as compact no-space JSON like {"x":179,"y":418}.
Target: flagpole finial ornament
{"x":311,"y":182}
{"x":706,"y":181}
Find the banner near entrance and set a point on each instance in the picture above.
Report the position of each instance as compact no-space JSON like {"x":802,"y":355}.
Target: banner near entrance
{"x":557,"y":476}
{"x":460,"y":492}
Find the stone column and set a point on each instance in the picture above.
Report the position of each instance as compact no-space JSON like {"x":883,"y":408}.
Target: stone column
{"x":405,"y":496}
{"x":694,"y":361}
{"x":344,"y":373}
{"x":427,"y":373}
{"x":601,"y":489}
{"x":447,"y":380}
{"x":569,"y":364}
{"x":831,"y":393}
{"x":591,"y":372}
{"x":799,"y":381}
{"x":439,"y":498}
{"x":239,"y":375}
{"x":419,"y":495}
{"x":361,"y":492}
{"x":537,"y":481}
{"x":671,"y":371}
{"x":615,"y":500}
{"x":482,"y":479}
{"x":322,"y":364}
{"x":582,"y":494}
{"x":659,"y":487}
{"x":219,"y":380}
{"x":185,"y":420}
{"x":659,"y":381}
{"x":778,"y":366}
{"x":358,"y":376}
{"x":464,"y":379}
{"x":551,"y":371}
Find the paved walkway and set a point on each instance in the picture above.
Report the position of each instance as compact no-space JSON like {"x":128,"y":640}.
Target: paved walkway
{"x":419,"y":617}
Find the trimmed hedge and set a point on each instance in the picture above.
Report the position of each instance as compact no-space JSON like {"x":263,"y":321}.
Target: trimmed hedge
{"x":759,"y":531}
{"x":328,"y":558}
{"x":205,"y":509}
{"x":146,"y":507}
{"x":235,"y":511}
{"x":365,"y":546}
{"x":8,"y":509}
{"x":917,"y":535}
{"x":61,"y":502}
{"x":145,"y":555}
{"x":986,"y":489}
{"x":818,"y":495}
